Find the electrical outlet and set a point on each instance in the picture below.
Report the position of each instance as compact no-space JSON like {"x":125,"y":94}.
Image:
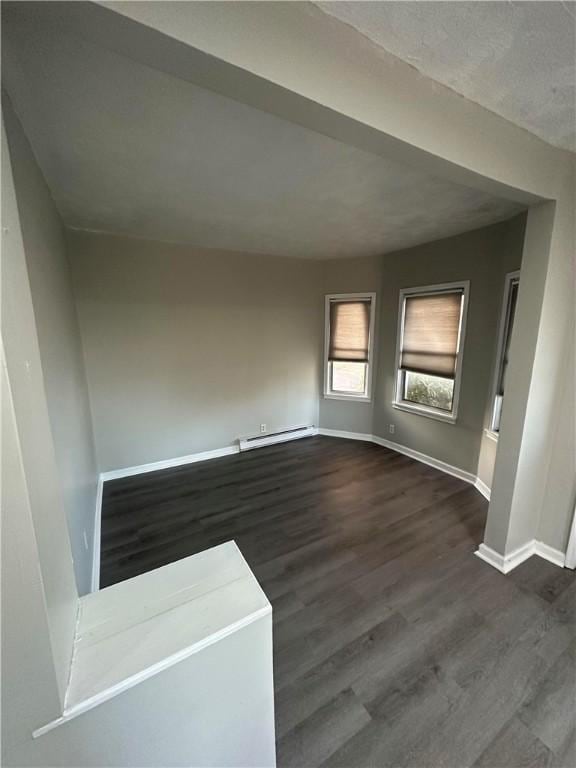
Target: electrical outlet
{"x":262,"y":428}
{"x":391,"y":428}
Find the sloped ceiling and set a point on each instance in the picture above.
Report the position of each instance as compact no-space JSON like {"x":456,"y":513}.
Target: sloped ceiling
{"x":131,"y":150}
{"x":517,"y":59}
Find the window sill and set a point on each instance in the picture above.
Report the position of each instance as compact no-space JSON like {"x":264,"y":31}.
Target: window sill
{"x":350,"y":398}
{"x":447,"y":418}
{"x":491,"y":435}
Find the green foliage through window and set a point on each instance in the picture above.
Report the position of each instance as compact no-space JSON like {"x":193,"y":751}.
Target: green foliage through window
{"x":430,"y":391}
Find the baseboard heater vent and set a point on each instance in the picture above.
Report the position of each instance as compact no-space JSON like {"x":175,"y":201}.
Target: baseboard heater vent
{"x":259,"y":441}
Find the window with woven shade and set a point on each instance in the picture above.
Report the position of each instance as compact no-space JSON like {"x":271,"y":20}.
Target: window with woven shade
{"x":511,"y":287}
{"x":349,"y":343}
{"x":430,"y":343}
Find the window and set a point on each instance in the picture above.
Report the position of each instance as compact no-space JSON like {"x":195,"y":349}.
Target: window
{"x":349,"y":345}
{"x":505,"y":334}
{"x":431,"y":323}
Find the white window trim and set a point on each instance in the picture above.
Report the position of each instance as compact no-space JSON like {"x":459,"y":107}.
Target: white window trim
{"x":328,"y":394}
{"x":422,"y":410}
{"x":510,"y":278}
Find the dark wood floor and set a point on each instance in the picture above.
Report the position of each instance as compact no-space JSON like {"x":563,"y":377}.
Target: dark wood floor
{"x":394,"y":645}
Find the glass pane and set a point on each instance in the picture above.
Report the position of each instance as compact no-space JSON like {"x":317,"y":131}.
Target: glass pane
{"x":431,"y":391}
{"x":349,"y":378}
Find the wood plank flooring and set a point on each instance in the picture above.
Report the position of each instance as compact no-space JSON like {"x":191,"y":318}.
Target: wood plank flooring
{"x":394,"y":645}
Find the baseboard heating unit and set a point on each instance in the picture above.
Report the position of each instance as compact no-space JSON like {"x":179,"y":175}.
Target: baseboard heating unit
{"x":259,"y":441}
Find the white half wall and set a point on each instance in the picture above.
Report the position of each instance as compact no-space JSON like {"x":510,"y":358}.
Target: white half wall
{"x":214,"y":709}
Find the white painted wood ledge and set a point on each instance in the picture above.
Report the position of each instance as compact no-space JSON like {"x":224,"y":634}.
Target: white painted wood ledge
{"x":133,"y":630}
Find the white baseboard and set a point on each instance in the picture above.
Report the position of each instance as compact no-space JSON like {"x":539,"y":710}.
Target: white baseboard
{"x":503,"y":564}
{"x":449,"y":469}
{"x":507,"y":563}
{"x":116,"y":474}
{"x":95,"y":586}
{"x":154,"y":466}
{"x":483,"y":488}
{"x":346,"y":435}
{"x":549,"y":553}
{"x":486,"y":553}
{"x":179,"y":461}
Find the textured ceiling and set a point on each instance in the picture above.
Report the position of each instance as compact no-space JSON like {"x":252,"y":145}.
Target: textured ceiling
{"x":517,"y":59}
{"x":131,"y":150}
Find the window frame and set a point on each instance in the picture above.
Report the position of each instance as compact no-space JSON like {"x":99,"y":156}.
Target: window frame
{"x":329,"y":394}
{"x":449,"y":417}
{"x":509,"y":279}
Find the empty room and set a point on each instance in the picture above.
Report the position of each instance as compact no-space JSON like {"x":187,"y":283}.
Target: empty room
{"x":288,"y":384}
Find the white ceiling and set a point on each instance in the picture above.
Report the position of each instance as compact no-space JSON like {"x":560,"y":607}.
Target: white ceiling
{"x":517,"y":59}
{"x":131,"y":150}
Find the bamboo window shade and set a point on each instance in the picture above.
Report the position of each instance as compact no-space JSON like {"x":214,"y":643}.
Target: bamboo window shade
{"x":431,"y":331}
{"x":349,"y":330}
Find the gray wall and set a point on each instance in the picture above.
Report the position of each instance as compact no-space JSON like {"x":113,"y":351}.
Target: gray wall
{"x":30,"y":691}
{"x":60,"y":348}
{"x":511,"y":257}
{"x":200,"y":720}
{"x":188,"y":350}
{"x":212,"y":708}
{"x":478,"y":145}
{"x":350,"y":276}
{"x":482,"y":257}
{"x":39,"y":598}
{"x":536,"y":496}
{"x":386,"y":106}
{"x":559,"y":319}
{"x":556,"y":519}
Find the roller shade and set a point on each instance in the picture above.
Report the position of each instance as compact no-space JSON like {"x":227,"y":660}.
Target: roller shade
{"x":431,"y":329}
{"x":349,"y":330}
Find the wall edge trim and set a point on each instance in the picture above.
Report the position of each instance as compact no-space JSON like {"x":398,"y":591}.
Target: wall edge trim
{"x":549,"y":553}
{"x":96,"y":542}
{"x":443,"y":466}
{"x":504,"y":564}
{"x":483,"y":488}
{"x":507,"y":563}
{"x":364,"y":436}
{"x":484,"y":552}
{"x":177,"y":461}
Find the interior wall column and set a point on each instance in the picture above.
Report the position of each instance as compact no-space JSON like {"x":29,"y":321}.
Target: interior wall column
{"x":526,"y":436}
